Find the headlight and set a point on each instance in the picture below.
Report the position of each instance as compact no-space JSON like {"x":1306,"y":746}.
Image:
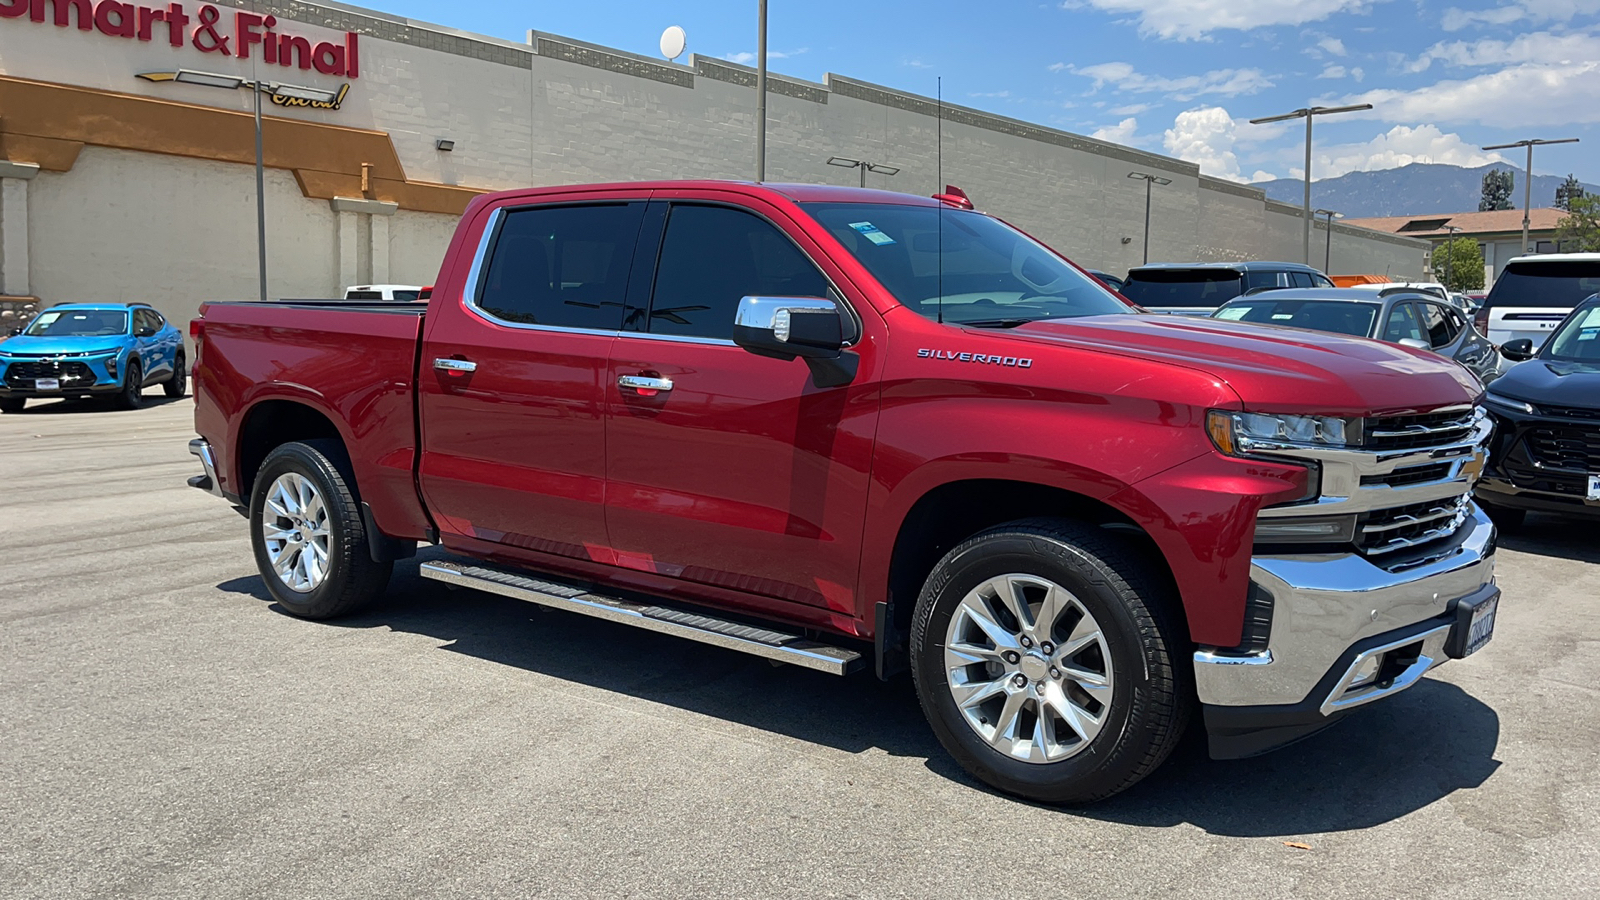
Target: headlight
{"x":1244,"y":434}
{"x":1508,"y":404}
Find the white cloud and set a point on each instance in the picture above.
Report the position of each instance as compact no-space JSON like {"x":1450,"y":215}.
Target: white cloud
{"x":1194,"y":19}
{"x":1133,"y":109}
{"x":1206,"y":137}
{"x":1533,"y":11}
{"x":1122,"y":76}
{"x":1401,"y":145}
{"x":1333,"y":72}
{"x":1120,"y":133}
{"x":998,"y":95}
{"x":916,"y":64}
{"x":1536,"y":47}
{"x":1531,"y":94}
{"x":745,"y":57}
{"x":1332,"y":46}
{"x":1357,"y":74}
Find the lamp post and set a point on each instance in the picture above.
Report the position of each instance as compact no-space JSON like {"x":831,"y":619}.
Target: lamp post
{"x":234,"y":83}
{"x":1149,"y":182}
{"x":1450,"y":257}
{"x":1327,"y":250}
{"x":761,"y":92}
{"x":1527,"y":182}
{"x":846,"y":162}
{"x":1308,"y":114}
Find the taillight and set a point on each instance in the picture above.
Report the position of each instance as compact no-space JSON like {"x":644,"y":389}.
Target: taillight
{"x":1480,"y":320}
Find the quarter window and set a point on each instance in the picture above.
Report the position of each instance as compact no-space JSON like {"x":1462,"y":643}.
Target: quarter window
{"x":1402,"y":325}
{"x":564,"y":266}
{"x":1440,"y":327}
{"x":711,"y":257}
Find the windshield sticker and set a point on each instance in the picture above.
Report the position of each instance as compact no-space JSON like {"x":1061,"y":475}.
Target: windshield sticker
{"x":1235,"y":314}
{"x":871,"y":233}
{"x":47,"y":318}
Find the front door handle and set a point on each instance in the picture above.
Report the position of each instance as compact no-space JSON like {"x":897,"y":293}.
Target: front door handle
{"x":456,"y":366}
{"x":644,"y":384}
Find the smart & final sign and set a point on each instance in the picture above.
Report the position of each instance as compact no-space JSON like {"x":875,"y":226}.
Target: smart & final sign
{"x":206,"y":31}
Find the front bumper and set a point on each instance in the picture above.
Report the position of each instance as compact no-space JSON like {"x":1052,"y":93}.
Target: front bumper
{"x":75,"y":375}
{"x":1328,"y":611}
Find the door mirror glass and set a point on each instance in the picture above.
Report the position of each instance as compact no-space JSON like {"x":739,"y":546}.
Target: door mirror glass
{"x":1517,"y":350}
{"x":789,"y":327}
{"x":17,"y":330}
{"x":1415,"y":344}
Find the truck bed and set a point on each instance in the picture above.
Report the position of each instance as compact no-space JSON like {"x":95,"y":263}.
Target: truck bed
{"x":353,"y":362}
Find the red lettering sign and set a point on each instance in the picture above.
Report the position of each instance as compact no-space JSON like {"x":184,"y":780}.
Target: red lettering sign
{"x":116,"y":18}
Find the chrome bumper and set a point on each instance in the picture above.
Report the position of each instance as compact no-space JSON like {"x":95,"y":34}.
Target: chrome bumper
{"x":201,"y":448}
{"x":1325,"y":604}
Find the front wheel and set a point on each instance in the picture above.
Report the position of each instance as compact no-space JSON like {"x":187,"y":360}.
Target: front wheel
{"x":1045,"y":663}
{"x":309,"y":539}
{"x":132,"y":395}
{"x":13,"y":404}
{"x":179,"y":382}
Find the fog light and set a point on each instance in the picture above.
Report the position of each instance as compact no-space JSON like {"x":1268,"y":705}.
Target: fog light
{"x":1366,"y":673}
{"x":1306,"y":530}
{"x":111,"y":368}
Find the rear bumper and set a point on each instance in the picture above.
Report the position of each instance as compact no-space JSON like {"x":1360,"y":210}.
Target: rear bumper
{"x":1329,"y":614}
{"x":207,"y":482}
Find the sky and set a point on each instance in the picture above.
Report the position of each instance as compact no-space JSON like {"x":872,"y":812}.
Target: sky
{"x":1179,"y":77}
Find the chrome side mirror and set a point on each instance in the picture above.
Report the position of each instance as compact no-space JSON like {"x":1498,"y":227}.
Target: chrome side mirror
{"x":809,"y":328}
{"x":1415,"y":344}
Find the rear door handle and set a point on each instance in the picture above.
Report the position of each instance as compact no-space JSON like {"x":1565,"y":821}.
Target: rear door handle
{"x":461,"y":366}
{"x":644,"y":383}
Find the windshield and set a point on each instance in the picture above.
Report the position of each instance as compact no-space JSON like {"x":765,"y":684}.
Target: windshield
{"x":1183,"y":287}
{"x":1578,"y":338}
{"x":1554,"y":284}
{"x":992,"y":273}
{"x":79,"y":323}
{"x":1337,"y":316}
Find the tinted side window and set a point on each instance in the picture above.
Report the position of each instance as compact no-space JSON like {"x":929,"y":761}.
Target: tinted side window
{"x":145,"y":322}
{"x":1301,"y":279}
{"x":1263,"y":279}
{"x":1436,"y":320}
{"x":712,"y":256}
{"x":1402,"y":325}
{"x":565,"y":266}
{"x":1321,"y":280}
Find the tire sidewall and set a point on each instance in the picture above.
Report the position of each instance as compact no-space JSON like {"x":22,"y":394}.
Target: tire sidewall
{"x":133,"y":385}
{"x":308,"y":463}
{"x":1106,"y":759}
{"x":178,"y":385}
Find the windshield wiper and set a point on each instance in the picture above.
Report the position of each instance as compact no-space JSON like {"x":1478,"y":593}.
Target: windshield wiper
{"x":1000,"y":323}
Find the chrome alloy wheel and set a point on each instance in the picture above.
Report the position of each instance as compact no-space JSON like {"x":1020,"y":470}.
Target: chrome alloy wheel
{"x":294,"y":525}
{"x":1028,"y":668}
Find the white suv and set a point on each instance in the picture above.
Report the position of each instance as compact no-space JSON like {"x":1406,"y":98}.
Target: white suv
{"x":1534,"y":293}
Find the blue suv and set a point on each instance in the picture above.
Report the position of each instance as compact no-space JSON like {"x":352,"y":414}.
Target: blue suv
{"x":79,"y":349}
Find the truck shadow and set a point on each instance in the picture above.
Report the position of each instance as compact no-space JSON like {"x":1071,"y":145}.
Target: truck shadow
{"x":1379,"y":765}
{"x":1561,"y":537}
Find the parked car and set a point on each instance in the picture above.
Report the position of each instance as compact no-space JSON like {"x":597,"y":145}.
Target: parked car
{"x":1535,"y":293}
{"x":1111,"y":281}
{"x":87,"y":349}
{"x":1546,"y":450}
{"x":383,"y":292}
{"x":756,"y":416}
{"x":1411,"y":318}
{"x":1197,"y":289}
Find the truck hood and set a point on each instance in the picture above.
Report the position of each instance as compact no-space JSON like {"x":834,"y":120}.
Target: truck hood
{"x":1552,"y":382}
{"x":1275,"y":369}
{"x":60,"y":346}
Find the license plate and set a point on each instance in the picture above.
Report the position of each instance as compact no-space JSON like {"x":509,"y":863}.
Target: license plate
{"x":1594,"y":487}
{"x":1481,"y":628}
{"x":47,"y":384}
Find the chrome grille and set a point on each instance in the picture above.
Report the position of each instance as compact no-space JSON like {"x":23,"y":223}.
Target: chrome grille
{"x":1399,"y":527}
{"x":1409,"y":476}
{"x":1434,"y":429}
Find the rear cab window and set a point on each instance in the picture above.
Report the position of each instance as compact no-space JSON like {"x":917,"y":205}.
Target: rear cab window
{"x":1189,"y":287}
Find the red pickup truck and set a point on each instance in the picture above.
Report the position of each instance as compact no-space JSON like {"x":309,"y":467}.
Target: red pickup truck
{"x":845,"y":429}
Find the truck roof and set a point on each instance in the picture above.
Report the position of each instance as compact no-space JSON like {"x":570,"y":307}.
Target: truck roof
{"x":798,"y":193}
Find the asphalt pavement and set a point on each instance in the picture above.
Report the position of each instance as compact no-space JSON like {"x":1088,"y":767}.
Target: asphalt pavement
{"x":166,"y":731}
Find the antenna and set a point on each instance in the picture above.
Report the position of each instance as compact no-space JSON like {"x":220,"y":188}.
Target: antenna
{"x":939,"y":167}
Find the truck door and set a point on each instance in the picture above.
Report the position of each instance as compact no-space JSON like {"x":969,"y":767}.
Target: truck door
{"x":726,"y":468}
{"x":513,"y":438}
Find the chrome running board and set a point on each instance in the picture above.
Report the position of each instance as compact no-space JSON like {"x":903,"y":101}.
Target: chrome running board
{"x":751,"y":639}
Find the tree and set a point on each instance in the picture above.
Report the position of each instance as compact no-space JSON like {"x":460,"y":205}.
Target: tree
{"x":1579,"y":230}
{"x":1497,"y":187}
{"x":1570,"y":190}
{"x":1458,"y":264}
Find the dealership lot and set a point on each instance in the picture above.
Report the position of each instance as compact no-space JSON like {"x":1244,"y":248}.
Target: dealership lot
{"x":168,"y":732}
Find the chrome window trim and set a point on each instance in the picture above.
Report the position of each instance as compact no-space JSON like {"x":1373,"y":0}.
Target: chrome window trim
{"x":678,"y":338}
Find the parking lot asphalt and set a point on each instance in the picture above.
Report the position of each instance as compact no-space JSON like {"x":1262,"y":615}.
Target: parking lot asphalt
{"x":166,"y":731}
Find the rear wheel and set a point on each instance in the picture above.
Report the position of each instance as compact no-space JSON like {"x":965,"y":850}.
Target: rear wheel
{"x":132,"y":395}
{"x":309,"y":538}
{"x":1045,"y":663}
{"x":178,"y":384}
{"x":13,"y":404}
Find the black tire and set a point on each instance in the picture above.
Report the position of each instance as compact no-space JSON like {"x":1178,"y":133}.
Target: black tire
{"x":132,"y":394}
{"x":1152,"y":692}
{"x":352,"y":578}
{"x":13,"y":404}
{"x":1509,"y":521}
{"x":178,"y":384}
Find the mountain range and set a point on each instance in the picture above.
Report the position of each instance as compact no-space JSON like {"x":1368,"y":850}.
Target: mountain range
{"x":1417,"y":189}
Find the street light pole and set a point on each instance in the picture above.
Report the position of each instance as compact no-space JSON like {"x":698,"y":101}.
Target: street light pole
{"x":761,"y":93}
{"x":845,"y":162}
{"x":1309,"y":113}
{"x":1527,"y":179}
{"x":1327,"y":250}
{"x":261,"y":201}
{"x":1450,"y":257}
{"x":1149,"y":183}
